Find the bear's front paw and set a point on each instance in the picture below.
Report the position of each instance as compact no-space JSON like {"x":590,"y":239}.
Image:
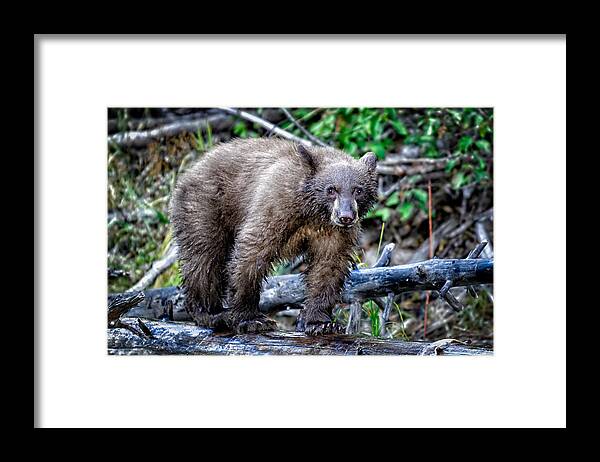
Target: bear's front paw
{"x":255,"y":325}
{"x":323,"y":328}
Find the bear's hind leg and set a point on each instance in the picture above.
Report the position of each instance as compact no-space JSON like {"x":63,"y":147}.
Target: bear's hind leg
{"x":204,"y":278}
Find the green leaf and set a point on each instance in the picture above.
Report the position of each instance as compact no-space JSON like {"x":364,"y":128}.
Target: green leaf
{"x":432,"y":152}
{"x":389,"y":113}
{"x":161,"y":217}
{"x":456,"y":115}
{"x":240,"y":129}
{"x":481,"y":175}
{"x":484,"y":129}
{"x":393,"y":200}
{"x":450,"y":165}
{"x":383,"y":213}
{"x":352,"y":149}
{"x":399,"y":127}
{"x":460,"y":179}
{"x":372,"y":126}
{"x":484,"y":145}
{"x":420,"y":195}
{"x":480,"y":162}
{"x":406,"y":210}
{"x":432,"y":125}
{"x":478,"y":119}
{"x":464,"y":143}
{"x":377,"y":149}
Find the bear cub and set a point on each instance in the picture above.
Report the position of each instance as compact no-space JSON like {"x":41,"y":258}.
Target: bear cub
{"x":249,"y":203}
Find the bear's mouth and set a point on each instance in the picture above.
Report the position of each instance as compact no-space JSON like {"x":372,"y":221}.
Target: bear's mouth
{"x":344,"y":225}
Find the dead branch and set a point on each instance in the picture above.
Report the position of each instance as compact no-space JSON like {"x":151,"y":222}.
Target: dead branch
{"x":482,"y":235}
{"x":146,"y":123}
{"x":399,"y":159}
{"x":158,"y":267}
{"x":281,"y":292}
{"x":141,"y":138}
{"x":118,"y":306}
{"x":116,"y":273}
{"x":354,"y":316}
{"x":449,"y":229}
{"x":308,"y":134}
{"x":176,"y":338}
{"x":265,"y":124}
{"x":400,"y":170}
{"x":469,"y":222}
{"x":384,"y":315}
{"x":440,"y":233}
{"x":386,"y":256}
{"x":121,"y":303}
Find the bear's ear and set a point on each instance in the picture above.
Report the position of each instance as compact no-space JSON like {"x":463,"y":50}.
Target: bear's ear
{"x":370,"y":160}
{"x":307,"y":157}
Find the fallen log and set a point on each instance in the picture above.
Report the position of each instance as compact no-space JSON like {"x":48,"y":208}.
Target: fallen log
{"x":141,"y":138}
{"x":284,"y":292}
{"x":178,"y":338}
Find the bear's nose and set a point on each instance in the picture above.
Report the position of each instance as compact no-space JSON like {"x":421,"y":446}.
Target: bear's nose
{"x":346,"y":219}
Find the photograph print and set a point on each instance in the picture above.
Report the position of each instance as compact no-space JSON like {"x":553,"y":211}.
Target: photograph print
{"x":300,"y":231}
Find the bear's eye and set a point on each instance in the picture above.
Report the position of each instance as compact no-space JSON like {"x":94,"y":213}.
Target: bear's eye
{"x":358,"y":190}
{"x":330,"y":190}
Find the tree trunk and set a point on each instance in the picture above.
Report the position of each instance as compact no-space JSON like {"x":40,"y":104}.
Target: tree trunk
{"x":177,"y":338}
{"x":283,"y":292}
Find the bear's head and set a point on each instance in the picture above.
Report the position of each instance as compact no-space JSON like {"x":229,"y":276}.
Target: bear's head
{"x":341,"y":189}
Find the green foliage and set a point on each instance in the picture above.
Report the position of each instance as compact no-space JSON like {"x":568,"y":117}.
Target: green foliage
{"x":372,"y":312}
{"x":401,"y":204}
{"x":122,"y":119}
{"x":383,"y":213}
{"x":472,"y":160}
{"x":171,"y":277}
{"x":401,"y":315}
{"x":380,"y":238}
{"x":358,"y":130}
{"x":461,"y":136}
{"x":240,"y":129}
{"x":199,"y":138}
{"x":203,"y":145}
{"x":358,"y":261}
{"x":477,"y":316}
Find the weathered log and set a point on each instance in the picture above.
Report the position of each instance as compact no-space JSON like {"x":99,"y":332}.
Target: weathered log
{"x":120,"y":304}
{"x":146,"y":123}
{"x":176,"y":338}
{"x":282,"y":292}
{"x":142,"y":138}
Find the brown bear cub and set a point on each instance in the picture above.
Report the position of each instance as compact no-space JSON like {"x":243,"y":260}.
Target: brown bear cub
{"x":249,"y":203}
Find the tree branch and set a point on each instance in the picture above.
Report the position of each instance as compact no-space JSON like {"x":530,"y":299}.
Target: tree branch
{"x":283,"y":292}
{"x":158,"y":267}
{"x":308,"y":134}
{"x":142,"y":138}
{"x":175,"y":338}
{"x":265,"y":124}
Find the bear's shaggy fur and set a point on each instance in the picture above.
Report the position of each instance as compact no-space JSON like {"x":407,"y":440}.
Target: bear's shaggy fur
{"x":248,"y":203}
